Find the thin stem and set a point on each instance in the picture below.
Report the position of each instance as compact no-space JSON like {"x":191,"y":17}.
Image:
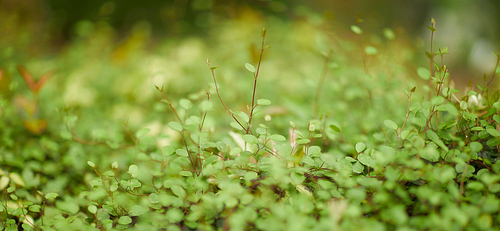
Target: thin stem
{"x":169,"y":102}
{"x":432,"y":55}
{"x":220,"y":98}
{"x":404,"y":123}
{"x":321,"y":82}
{"x":255,"y":81}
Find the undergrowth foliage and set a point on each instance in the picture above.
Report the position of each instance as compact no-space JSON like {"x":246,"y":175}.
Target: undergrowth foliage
{"x":436,"y":168}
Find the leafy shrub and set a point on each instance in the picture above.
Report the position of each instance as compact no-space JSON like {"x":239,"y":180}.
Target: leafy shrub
{"x":351,"y":167}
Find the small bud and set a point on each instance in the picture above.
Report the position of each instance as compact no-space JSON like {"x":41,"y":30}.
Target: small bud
{"x":312,"y":127}
{"x":267,"y":118}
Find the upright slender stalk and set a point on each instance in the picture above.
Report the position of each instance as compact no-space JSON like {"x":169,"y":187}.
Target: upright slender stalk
{"x":222,"y":101}
{"x":321,"y":82}
{"x":431,"y":56}
{"x":255,"y":80}
{"x":256,"y":75}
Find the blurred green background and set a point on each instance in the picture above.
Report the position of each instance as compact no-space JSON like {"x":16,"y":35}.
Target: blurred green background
{"x":109,"y":55}
{"x":469,"y":28}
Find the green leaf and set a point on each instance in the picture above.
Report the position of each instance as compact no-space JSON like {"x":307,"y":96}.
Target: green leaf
{"x":51,"y":196}
{"x":334,"y":128}
{"x":124,"y":220}
{"x":493,"y":131}
{"x":16,"y":179}
{"x":449,"y":108}
{"x":181,"y":152}
{"x":432,"y":135}
{"x":236,"y":126}
{"x":142,"y":132}
{"x":356,"y":29}
{"x":314,"y":151}
{"x":389,"y":34}
{"x":297,"y":178}
{"x":312,"y":127}
{"x":175,"y":126}
{"x":328,"y":159}
{"x":431,"y":28}
{"x":277,"y":137}
{"x":35,"y":208}
{"x":186,"y":173}
{"x":418,"y":142}
{"x":430,"y":153}
{"x":92,"y":209}
{"x":496,"y":117}
{"x":206,"y":106}
{"x":357,"y":167}
{"x":132,"y":170}
{"x":370,"y":50}
{"x":242,"y":115}
{"x":438,"y":100}
{"x":356,"y":194}
{"x":308,"y":160}
{"x":429,"y":55}
{"x":360,"y":146}
{"x":475,"y":186}
{"x":264,"y":102}
{"x":168,"y":150}
{"x":70,"y":207}
{"x":137,"y":210}
{"x":391,"y":124}
{"x":109,"y":173}
{"x":66,"y":135}
{"x":424,"y":73}
{"x":250,"y":176}
{"x":178,"y":191}
{"x":250,"y":67}
{"x":4,"y":182}
{"x":366,"y":160}
{"x":493,"y":142}
{"x":251,"y":139}
{"x":174,"y":215}
{"x":303,"y":141}
{"x":185,"y":103}
{"x":153,"y":198}
{"x":475,"y":146}
{"x":91,"y":164}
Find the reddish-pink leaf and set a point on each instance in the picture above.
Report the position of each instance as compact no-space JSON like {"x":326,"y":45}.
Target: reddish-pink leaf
{"x":42,"y":81}
{"x":26,"y":76}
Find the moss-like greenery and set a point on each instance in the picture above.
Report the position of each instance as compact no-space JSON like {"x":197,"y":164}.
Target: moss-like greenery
{"x":311,"y":133}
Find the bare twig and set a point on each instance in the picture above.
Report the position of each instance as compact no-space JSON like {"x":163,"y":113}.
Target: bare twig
{"x":222,"y":101}
{"x":255,"y":81}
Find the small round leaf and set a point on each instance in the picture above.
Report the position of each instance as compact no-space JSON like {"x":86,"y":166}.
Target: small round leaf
{"x":360,"y":146}
{"x":391,"y":124}
{"x":250,"y":67}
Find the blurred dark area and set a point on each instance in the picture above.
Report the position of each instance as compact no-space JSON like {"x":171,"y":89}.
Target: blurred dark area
{"x":469,"y":28}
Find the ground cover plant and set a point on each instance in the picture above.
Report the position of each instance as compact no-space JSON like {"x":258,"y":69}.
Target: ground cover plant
{"x":358,"y":145}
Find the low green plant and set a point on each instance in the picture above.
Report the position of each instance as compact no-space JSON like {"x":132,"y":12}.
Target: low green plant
{"x":432,"y":166}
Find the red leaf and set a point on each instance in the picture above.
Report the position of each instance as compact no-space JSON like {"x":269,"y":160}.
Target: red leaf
{"x":26,"y":76}
{"x":42,"y":81}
